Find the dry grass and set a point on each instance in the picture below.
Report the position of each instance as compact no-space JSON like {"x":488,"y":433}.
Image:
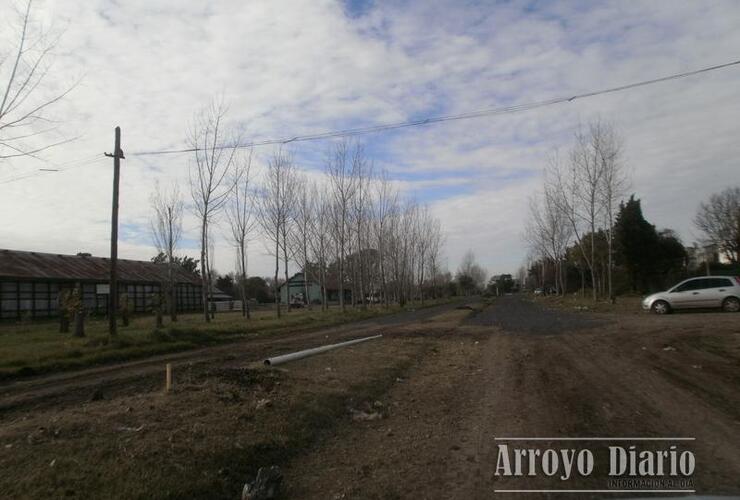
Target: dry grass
{"x":627,"y":304}
{"x":28,"y":349}
{"x":206,"y":438}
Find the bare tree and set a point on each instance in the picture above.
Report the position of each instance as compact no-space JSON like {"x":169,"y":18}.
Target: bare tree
{"x":548,"y":231}
{"x":607,"y":146}
{"x":406,"y":253}
{"x":719,"y":219}
{"x":361,"y":209}
{"x":304,"y":220}
{"x":577,"y":193}
{"x":166,"y":229}
{"x":425,"y":227}
{"x":470,"y":275}
{"x":436,"y":239}
{"x":521,"y":276}
{"x":242,"y":220}
{"x":385,"y":206}
{"x":23,"y":102}
{"x":211,"y":179}
{"x":339,"y":169}
{"x":210,"y":273}
{"x":320,"y":240}
{"x":288,"y":194}
{"x":275,"y":210}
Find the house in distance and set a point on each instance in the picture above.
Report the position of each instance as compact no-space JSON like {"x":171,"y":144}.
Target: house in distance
{"x":294,"y":290}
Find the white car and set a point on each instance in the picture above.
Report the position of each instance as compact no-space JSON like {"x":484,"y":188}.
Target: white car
{"x":697,"y":293}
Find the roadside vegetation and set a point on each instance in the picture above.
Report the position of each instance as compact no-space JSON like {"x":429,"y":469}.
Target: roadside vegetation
{"x":587,"y":233}
{"x":34,"y":348}
{"x":627,"y":304}
{"x":224,"y":423}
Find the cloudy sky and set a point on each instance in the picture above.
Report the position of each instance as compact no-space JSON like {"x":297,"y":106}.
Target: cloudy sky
{"x":294,"y":67}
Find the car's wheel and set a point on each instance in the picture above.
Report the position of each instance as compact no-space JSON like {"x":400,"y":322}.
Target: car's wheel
{"x":661,"y":307}
{"x":731,"y":304}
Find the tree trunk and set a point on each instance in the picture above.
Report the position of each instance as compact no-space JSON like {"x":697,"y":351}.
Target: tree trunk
{"x":79,"y":314}
{"x":591,"y":266}
{"x":170,"y":274}
{"x":324,"y":303}
{"x":80,"y":322}
{"x":564,"y":275}
{"x":383,"y":285}
{"x":287,"y":282}
{"x":173,"y":301}
{"x":63,"y":308}
{"x":341,"y":273}
{"x":158,"y":314}
{"x":203,"y":274}
{"x":245,"y":299}
{"x":277,"y":272}
{"x":306,"y":297}
{"x":63,"y":322}
{"x":212,"y":304}
{"x":611,"y":260}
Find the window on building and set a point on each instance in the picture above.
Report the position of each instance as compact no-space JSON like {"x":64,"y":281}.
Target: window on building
{"x":8,"y":299}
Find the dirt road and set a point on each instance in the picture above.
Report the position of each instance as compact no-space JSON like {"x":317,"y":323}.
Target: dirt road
{"x":532,"y":372}
{"x":418,"y":414}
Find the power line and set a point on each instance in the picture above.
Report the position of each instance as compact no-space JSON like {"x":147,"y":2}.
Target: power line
{"x":60,"y":168}
{"x":445,"y":118}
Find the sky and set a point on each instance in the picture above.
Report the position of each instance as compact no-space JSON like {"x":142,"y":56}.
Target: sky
{"x":287,"y":68}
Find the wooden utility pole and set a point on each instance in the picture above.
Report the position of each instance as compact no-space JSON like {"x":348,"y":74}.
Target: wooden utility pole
{"x":113,"y":291}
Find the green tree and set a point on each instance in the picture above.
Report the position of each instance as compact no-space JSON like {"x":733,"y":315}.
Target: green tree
{"x":670,"y":260}
{"x":500,"y":284}
{"x":227,"y":284}
{"x":189,"y":264}
{"x":648,"y":256}
{"x":257,"y":288}
{"x":636,"y":241}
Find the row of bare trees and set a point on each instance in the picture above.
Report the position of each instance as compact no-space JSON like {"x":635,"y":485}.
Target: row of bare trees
{"x":349,"y":229}
{"x":579,"y":199}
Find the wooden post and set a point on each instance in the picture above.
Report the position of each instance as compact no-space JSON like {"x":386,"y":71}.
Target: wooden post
{"x":79,"y":312}
{"x":168,"y":377}
{"x":113,"y":291}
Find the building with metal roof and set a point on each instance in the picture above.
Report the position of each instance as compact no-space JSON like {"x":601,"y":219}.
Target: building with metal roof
{"x":30,"y":283}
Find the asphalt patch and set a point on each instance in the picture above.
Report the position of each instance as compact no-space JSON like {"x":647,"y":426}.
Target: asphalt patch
{"x":516,"y":315}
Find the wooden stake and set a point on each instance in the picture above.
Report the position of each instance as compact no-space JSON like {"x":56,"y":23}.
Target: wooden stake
{"x":168,"y":377}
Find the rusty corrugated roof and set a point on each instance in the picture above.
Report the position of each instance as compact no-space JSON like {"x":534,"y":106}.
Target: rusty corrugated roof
{"x":36,"y":265}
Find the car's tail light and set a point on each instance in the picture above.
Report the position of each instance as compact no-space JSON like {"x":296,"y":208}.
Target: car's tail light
{"x":737,"y":278}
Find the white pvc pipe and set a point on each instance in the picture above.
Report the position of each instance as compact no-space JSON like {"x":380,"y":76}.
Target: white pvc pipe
{"x":278,"y":360}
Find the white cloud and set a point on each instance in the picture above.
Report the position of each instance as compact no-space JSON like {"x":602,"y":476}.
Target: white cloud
{"x":288,"y":68}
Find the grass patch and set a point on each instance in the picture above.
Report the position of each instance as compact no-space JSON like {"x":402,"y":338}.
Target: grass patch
{"x":27,"y":350}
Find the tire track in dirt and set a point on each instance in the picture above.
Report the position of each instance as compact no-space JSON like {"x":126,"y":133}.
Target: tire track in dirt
{"x":548,"y":403}
{"x":643,"y":401}
{"x":407,"y":454}
{"x":442,"y":424}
